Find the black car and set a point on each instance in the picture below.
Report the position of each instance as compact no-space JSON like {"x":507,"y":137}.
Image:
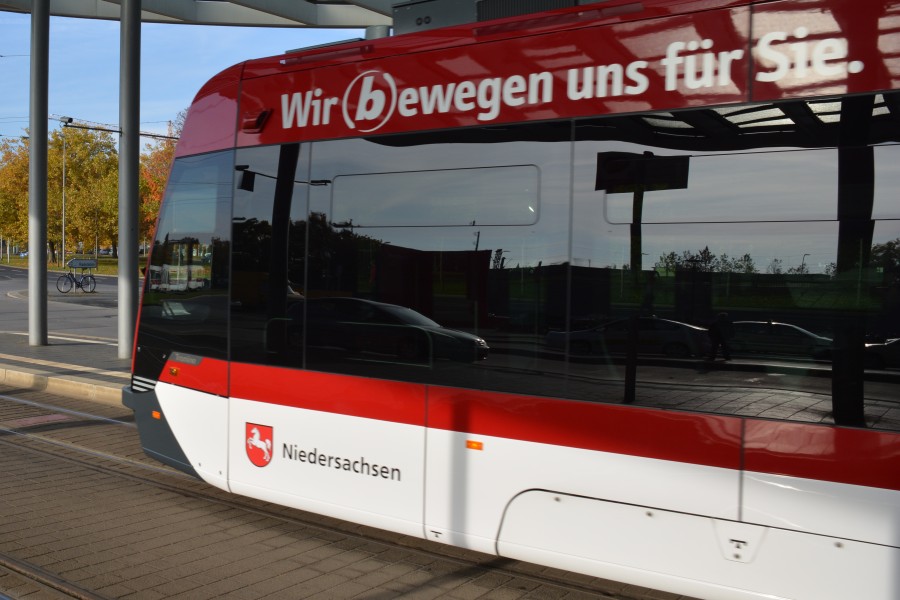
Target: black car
{"x":655,"y":336}
{"x":883,"y":355}
{"x":777,"y":339}
{"x":377,"y":330}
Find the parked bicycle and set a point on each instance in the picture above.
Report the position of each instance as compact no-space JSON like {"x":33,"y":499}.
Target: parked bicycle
{"x":83,"y":281}
{"x":70,"y":281}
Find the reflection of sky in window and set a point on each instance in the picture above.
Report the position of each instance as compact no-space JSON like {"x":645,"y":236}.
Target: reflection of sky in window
{"x":787,"y":242}
{"x":727,"y":197}
{"x":886,"y":231}
{"x":887,"y":182}
{"x":530,"y":171}
{"x":519,"y":246}
{"x":730,"y":198}
{"x":246,"y":208}
{"x":769,"y":186}
{"x":449,"y":197}
{"x":200,"y":189}
{"x":195,"y":208}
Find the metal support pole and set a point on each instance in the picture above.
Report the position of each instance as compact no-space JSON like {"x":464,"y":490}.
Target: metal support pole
{"x":37,"y":173}
{"x":63,"y":249}
{"x":129,"y":170}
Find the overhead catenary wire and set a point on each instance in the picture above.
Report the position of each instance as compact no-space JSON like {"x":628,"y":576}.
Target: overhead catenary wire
{"x":94,"y":126}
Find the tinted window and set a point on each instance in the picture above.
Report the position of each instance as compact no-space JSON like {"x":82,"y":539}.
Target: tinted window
{"x":268,"y":264}
{"x":777,"y":185}
{"x":464,"y":299}
{"x":185,"y":303}
{"x":773,"y":226}
{"x":501,"y":195}
{"x":634,"y":247}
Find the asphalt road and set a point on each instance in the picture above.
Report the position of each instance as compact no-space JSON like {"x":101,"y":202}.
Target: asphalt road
{"x":77,"y":312}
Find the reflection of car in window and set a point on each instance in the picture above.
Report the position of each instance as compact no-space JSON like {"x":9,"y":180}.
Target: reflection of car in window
{"x":655,"y":336}
{"x":883,"y":355}
{"x":376,"y":329}
{"x":769,"y":337}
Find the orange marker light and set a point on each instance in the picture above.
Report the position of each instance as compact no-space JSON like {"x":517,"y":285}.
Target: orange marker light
{"x":473,"y":445}
{"x":156,"y":414}
{"x":173,"y":372}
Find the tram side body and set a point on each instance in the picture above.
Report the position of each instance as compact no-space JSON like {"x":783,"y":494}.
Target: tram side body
{"x":705,"y":505}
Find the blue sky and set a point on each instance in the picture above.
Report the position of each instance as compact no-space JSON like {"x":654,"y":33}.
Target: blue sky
{"x":175,"y":61}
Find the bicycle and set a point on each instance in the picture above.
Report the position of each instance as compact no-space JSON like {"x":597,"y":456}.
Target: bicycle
{"x":66,"y":282}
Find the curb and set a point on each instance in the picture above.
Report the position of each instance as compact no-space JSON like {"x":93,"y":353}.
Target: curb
{"x":70,"y":388}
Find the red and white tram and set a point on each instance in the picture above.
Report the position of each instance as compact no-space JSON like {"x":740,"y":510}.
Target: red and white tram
{"x":472,"y":284}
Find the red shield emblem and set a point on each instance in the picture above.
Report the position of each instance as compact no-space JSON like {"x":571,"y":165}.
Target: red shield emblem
{"x":260,"y":440}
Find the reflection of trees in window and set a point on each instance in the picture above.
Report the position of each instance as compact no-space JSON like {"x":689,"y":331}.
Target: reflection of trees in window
{"x":705,"y":261}
{"x":339,"y":259}
{"x":252,"y":242}
{"x":775,"y":267}
{"x":887,"y":256}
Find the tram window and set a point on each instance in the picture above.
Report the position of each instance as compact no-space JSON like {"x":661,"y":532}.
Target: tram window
{"x":792,"y":252}
{"x":543,"y":307}
{"x":463,"y":297}
{"x":269,"y":231}
{"x":185,"y":304}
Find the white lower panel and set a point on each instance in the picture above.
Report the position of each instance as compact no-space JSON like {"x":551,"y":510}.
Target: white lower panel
{"x":328,"y":509}
{"x":693,"y":555}
{"x":200,"y":424}
{"x":836,"y":509}
{"x":467,"y":490}
{"x":363,"y":470}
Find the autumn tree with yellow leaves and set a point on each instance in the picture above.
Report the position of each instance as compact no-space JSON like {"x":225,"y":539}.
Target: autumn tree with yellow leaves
{"x":156,"y":161}
{"x":91,"y":188}
{"x":91,"y":165}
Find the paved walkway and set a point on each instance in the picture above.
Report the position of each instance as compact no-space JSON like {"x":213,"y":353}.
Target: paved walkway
{"x":80,"y":360}
{"x":84,"y":367}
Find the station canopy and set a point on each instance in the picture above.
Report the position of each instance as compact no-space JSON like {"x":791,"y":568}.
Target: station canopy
{"x":345,"y":14}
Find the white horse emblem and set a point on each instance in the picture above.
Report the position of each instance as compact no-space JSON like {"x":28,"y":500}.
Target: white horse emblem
{"x":255,"y":441}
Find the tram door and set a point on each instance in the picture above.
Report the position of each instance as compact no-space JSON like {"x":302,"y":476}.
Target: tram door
{"x":323,"y":416}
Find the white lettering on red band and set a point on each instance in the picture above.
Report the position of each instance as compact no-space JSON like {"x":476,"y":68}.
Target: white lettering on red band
{"x":373,"y":98}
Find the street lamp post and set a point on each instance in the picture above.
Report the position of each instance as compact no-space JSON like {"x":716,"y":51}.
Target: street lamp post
{"x":803,"y":264}
{"x":65,"y":121}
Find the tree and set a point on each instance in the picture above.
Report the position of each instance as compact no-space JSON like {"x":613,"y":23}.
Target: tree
{"x":91,"y":186}
{"x":101,"y":216}
{"x":744,"y":265}
{"x":887,"y":255}
{"x":90,"y":161}
{"x":14,"y":189}
{"x":91,"y":203}
{"x":705,"y":261}
{"x":156,"y":162}
{"x":668,"y":263}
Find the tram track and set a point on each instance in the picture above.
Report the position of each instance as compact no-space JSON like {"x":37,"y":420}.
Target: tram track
{"x":172,"y":481}
{"x":43,"y":580}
